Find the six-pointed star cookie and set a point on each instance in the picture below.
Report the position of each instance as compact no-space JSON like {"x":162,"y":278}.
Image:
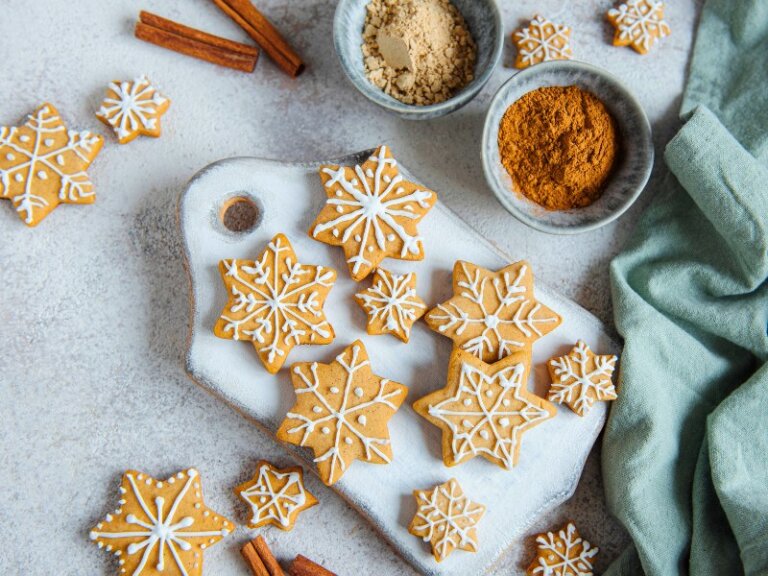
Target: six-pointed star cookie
{"x":42,"y":164}
{"x":492,"y":314}
{"x":160,"y":527}
{"x":372,"y":212}
{"x":581,"y":378}
{"x":392,"y":304}
{"x":341,"y":412}
{"x":276,"y":496}
{"x":133,"y":109}
{"x":541,"y":41}
{"x":275,"y":302}
{"x":639,"y":24}
{"x":484,"y":409}
{"x":446,"y":519}
{"x":562,"y":553}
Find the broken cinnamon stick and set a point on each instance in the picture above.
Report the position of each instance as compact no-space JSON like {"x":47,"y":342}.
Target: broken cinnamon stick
{"x":260,"y":558}
{"x":264,"y":33}
{"x":303,"y":566}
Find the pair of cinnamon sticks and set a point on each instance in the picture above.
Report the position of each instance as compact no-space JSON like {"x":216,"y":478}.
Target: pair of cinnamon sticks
{"x":263,"y":563}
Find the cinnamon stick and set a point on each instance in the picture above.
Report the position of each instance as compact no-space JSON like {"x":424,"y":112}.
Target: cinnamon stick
{"x":196,"y":43}
{"x":264,"y":33}
{"x":253,"y":559}
{"x":303,"y":566}
{"x":260,"y":558}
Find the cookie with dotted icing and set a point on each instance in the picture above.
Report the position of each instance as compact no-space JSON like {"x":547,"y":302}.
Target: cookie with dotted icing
{"x":160,"y":527}
{"x":391,"y":304}
{"x":342,"y":411}
{"x":562,"y":552}
{"x":541,"y":41}
{"x":276,"y":495}
{"x":43,"y":163}
{"x":372,"y":212}
{"x":132,"y":109}
{"x":639,"y":24}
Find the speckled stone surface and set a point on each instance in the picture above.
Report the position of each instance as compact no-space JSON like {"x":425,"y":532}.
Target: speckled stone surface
{"x":93,"y":304}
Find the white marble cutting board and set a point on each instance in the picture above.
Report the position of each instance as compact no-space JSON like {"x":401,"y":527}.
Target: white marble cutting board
{"x":290,"y":195}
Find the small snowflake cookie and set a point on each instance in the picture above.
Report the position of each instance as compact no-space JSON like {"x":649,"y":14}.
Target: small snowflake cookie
{"x":492,"y":314}
{"x":42,"y":164}
{"x":372,"y":212}
{"x":392,"y":304}
{"x":541,"y":41}
{"x":341,"y":412}
{"x":275,"y":302}
{"x":446,"y":518}
{"x":562,"y":553}
{"x":276,"y":496}
{"x":639,"y":24}
{"x":581,"y":378}
{"x":160,"y":526}
{"x":484,"y":409}
{"x":133,"y":109}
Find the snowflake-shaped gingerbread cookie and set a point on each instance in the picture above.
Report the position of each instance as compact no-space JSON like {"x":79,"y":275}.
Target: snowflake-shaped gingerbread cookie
{"x":275,"y":302}
{"x":133,"y":109}
{"x":341,"y":412}
{"x":160,"y":527}
{"x":492,"y":314}
{"x":42,"y":164}
{"x":392,"y":304}
{"x":581,"y":378}
{"x":485,"y":409}
{"x":446,"y":518}
{"x":276,"y":496}
{"x":639,"y":24}
{"x":563,"y":553}
{"x":541,"y":41}
{"x":372,"y":212}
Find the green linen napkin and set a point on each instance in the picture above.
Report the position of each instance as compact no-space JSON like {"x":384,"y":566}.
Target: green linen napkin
{"x":685,"y":453}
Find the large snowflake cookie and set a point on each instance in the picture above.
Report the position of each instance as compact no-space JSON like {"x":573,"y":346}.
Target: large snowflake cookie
{"x":639,"y":24}
{"x":275,"y":302}
{"x":133,"y":109}
{"x":42,"y":164}
{"x":392,"y":304}
{"x":160,"y":527}
{"x":541,"y":41}
{"x":372,"y":212}
{"x":492,"y":314}
{"x":562,"y":553}
{"x":341,"y":412}
{"x":581,"y":378}
{"x":484,"y":409}
{"x":446,"y":518}
{"x":276,"y":496}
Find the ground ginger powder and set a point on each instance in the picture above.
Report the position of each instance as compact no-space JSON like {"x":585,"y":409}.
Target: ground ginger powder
{"x":559,"y":145}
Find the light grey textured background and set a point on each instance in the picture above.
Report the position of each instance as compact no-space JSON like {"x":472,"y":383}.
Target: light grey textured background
{"x":93,"y":303}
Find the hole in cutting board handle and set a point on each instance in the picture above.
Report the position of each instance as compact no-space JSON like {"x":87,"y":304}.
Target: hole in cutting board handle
{"x":240,"y":214}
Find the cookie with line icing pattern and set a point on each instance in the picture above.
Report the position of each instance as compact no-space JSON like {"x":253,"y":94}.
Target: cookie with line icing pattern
{"x":639,"y":24}
{"x":391,"y":304}
{"x":541,"y":41}
{"x":133,"y":109}
{"x":562,"y":553}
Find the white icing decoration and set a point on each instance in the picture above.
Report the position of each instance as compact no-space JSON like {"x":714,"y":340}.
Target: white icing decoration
{"x":391,"y":298}
{"x":574,"y":381}
{"x":640,"y":22}
{"x":543,"y":40}
{"x":268,"y":503}
{"x":566,"y":553}
{"x":131,"y":106}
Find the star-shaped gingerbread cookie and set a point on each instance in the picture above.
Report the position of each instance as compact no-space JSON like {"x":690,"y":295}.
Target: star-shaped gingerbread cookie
{"x":160,"y":527}
{"x":341,"y":412}
{"x":276,"y":496}
{"x":492,"y":314}
{"x":541,"y":41}
{"x":581,"y":378}
{"x":42,"y":164}
{"x":275,"y":302}
{"x":562,"y":553}
{"x":372,"y":212}
{"x":133,"y":109}
{"x":391,"y":304}
{"x":484,"y":409}
{"x":639,"y":24}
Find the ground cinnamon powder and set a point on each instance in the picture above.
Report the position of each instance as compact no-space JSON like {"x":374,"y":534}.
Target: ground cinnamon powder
{"x":558,"y":144}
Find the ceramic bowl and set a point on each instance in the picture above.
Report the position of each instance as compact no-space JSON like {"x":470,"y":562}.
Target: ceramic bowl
{"x":484,"y":21}
{"x":633,"y":166}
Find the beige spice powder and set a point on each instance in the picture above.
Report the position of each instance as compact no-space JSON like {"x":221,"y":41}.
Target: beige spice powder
{"x":418,"y":51}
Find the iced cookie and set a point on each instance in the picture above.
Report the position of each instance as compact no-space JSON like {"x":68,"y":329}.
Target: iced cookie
{"x":372,"y":212}
{"x":391,"y":304}
{"x":341,"y":412}
{"x":133,"y":109}
{"x":581,"y":378}
{"x":484,"y":409}
{"x":160,"y":527}
{"x":276,"y":496}
{"x":275,"y":302}
{"x":492,"y":314}
{"x":42,"y":164}
{"x":562,"y":553}
{"x":639,"y":24}
{"x":446,"y":518}
{"x":542,"y":40}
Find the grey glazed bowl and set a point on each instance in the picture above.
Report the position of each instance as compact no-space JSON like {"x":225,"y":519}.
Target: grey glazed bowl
{"x":633,"y":166}
{"x":484,"y":21}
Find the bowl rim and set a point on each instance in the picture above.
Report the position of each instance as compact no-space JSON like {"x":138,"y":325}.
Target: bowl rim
{"x":458,"y":100}
{"x":502,"y":195}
